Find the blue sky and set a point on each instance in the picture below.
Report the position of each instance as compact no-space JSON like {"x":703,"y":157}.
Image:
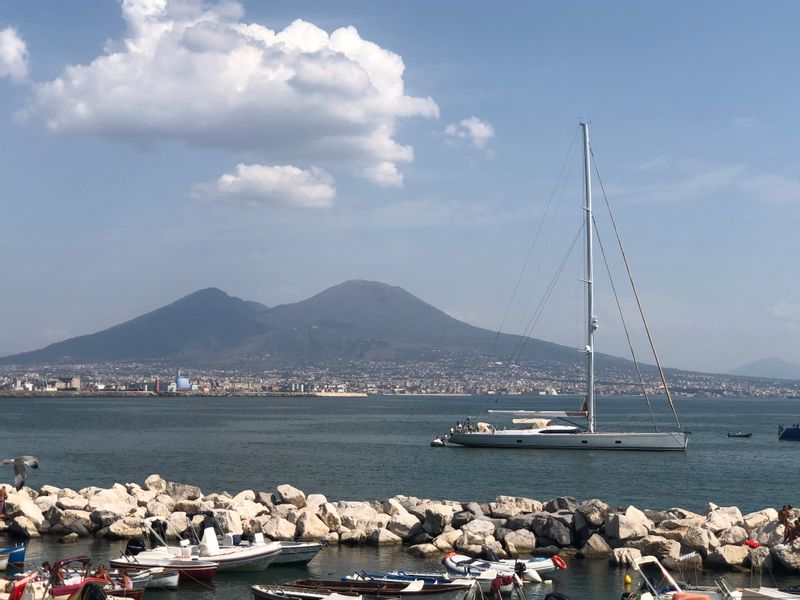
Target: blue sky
{"x":135,"y":182}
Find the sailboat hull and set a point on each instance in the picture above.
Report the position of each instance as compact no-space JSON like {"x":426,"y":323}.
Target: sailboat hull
{"x":509,"y":438}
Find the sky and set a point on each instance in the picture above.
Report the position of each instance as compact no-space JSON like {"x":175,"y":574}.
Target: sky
{"x":273,"y":149}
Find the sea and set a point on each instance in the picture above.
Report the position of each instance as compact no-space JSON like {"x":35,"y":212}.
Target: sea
{"x":379,"y":446}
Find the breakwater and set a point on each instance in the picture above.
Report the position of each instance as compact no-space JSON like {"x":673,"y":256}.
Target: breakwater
{"x":721,"y":538}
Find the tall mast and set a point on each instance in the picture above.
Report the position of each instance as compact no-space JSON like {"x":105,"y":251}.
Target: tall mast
{"x":591,"y":319}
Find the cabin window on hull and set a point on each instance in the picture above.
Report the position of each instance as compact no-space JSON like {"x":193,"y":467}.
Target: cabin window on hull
{"x":618,"y":441}
{"x":584,"y":441}
{"x":519,"y":441}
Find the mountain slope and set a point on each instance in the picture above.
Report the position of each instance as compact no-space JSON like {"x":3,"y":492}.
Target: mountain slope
{"x":769,"y":368}
{"x":207,"y":320}
{"x":351,"y":321}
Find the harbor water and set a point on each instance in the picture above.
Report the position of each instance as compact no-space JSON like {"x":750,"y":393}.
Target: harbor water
{"x":376,"y":447}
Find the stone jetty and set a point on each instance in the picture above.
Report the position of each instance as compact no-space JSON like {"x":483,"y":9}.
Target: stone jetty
{"x":509,"y":526}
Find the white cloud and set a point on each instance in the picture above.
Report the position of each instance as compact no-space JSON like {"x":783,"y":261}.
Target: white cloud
{"x":384,"y":174}
{"x":197,"y":73}
{"x":688,"y":180}
{"x":13,"y":55}
{"x":264,"y":184}
{"x":474,"y":130}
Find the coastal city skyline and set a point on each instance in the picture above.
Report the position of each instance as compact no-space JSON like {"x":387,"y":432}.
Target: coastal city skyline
{"x":434,"y":178}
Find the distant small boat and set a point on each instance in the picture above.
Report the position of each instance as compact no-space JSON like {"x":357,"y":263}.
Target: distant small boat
{"x":437,"y":442}
{"x":790,"y":432}
{"x":740,"y":434}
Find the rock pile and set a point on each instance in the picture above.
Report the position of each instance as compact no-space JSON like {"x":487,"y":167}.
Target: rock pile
{"x":509,"y":526}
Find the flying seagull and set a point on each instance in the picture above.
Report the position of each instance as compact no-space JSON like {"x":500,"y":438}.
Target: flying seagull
{"x":20,"y":471}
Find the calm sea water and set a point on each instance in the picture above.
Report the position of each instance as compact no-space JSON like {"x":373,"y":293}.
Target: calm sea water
{"x":373,"y":448}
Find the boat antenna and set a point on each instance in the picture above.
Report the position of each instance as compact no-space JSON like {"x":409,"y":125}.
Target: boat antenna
{"x":591,"y":318}
{"x":636,"y":296}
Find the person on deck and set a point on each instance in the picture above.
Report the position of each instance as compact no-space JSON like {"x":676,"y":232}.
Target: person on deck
{"x":101,"y":572}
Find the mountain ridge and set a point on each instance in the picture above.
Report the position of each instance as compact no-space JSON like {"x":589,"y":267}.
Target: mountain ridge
{"x":768,"y":368}
{"x":356,"y":319}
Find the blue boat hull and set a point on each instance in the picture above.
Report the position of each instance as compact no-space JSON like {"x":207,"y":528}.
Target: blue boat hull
{"x":16,"y":554}
{"x":789,"y":434}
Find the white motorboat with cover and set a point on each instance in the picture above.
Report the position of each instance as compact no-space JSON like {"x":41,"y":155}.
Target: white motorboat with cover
{"x":229,"y":551}
{"x":529,"y":570}
{"x":536,"y":429}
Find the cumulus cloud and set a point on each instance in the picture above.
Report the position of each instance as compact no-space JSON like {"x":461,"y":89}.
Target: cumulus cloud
{"x":265,"y":184}
{"x":196,"y":72}
{"x":13,"y":55}
{"x":472,"y":129}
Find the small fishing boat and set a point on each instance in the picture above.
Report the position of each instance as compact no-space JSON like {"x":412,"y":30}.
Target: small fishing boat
{"x":275,"y":592}
{"x":12,"y":555}
{"x":163,"y":579}
{"x":529,"y":570}
{"x":438,"y":442}
{"x":487,"y":580}
{"x":740,"y":434}
{"x":383,"y":589}
{"x":69,"y":575}
{"x":297,"y":553}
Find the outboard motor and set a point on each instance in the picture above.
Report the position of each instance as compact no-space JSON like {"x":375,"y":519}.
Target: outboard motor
{"x":134,"y":547}
{"x":520,"y":568}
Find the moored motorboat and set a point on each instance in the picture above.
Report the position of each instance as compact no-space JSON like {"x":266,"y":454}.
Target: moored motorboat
{"x":297,"y":553}
{"x":190,"y":568}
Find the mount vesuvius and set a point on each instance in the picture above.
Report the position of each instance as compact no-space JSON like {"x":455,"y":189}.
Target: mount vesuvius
{"x":354,"y":320}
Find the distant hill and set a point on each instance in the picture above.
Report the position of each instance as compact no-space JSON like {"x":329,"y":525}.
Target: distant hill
{"x":769,"y":368}
{"x":353,"y":320}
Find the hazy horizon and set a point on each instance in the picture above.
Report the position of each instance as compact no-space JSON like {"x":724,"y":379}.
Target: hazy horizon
{"x":272,"y":150}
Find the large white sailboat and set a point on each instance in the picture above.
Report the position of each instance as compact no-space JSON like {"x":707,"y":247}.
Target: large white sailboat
{"x":538,"y":429}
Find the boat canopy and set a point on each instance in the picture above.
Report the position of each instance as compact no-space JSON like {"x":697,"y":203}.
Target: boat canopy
{"x":543,"y":413}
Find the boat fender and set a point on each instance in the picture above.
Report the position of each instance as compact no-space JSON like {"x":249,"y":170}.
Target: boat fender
{"x":559,"y":562}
